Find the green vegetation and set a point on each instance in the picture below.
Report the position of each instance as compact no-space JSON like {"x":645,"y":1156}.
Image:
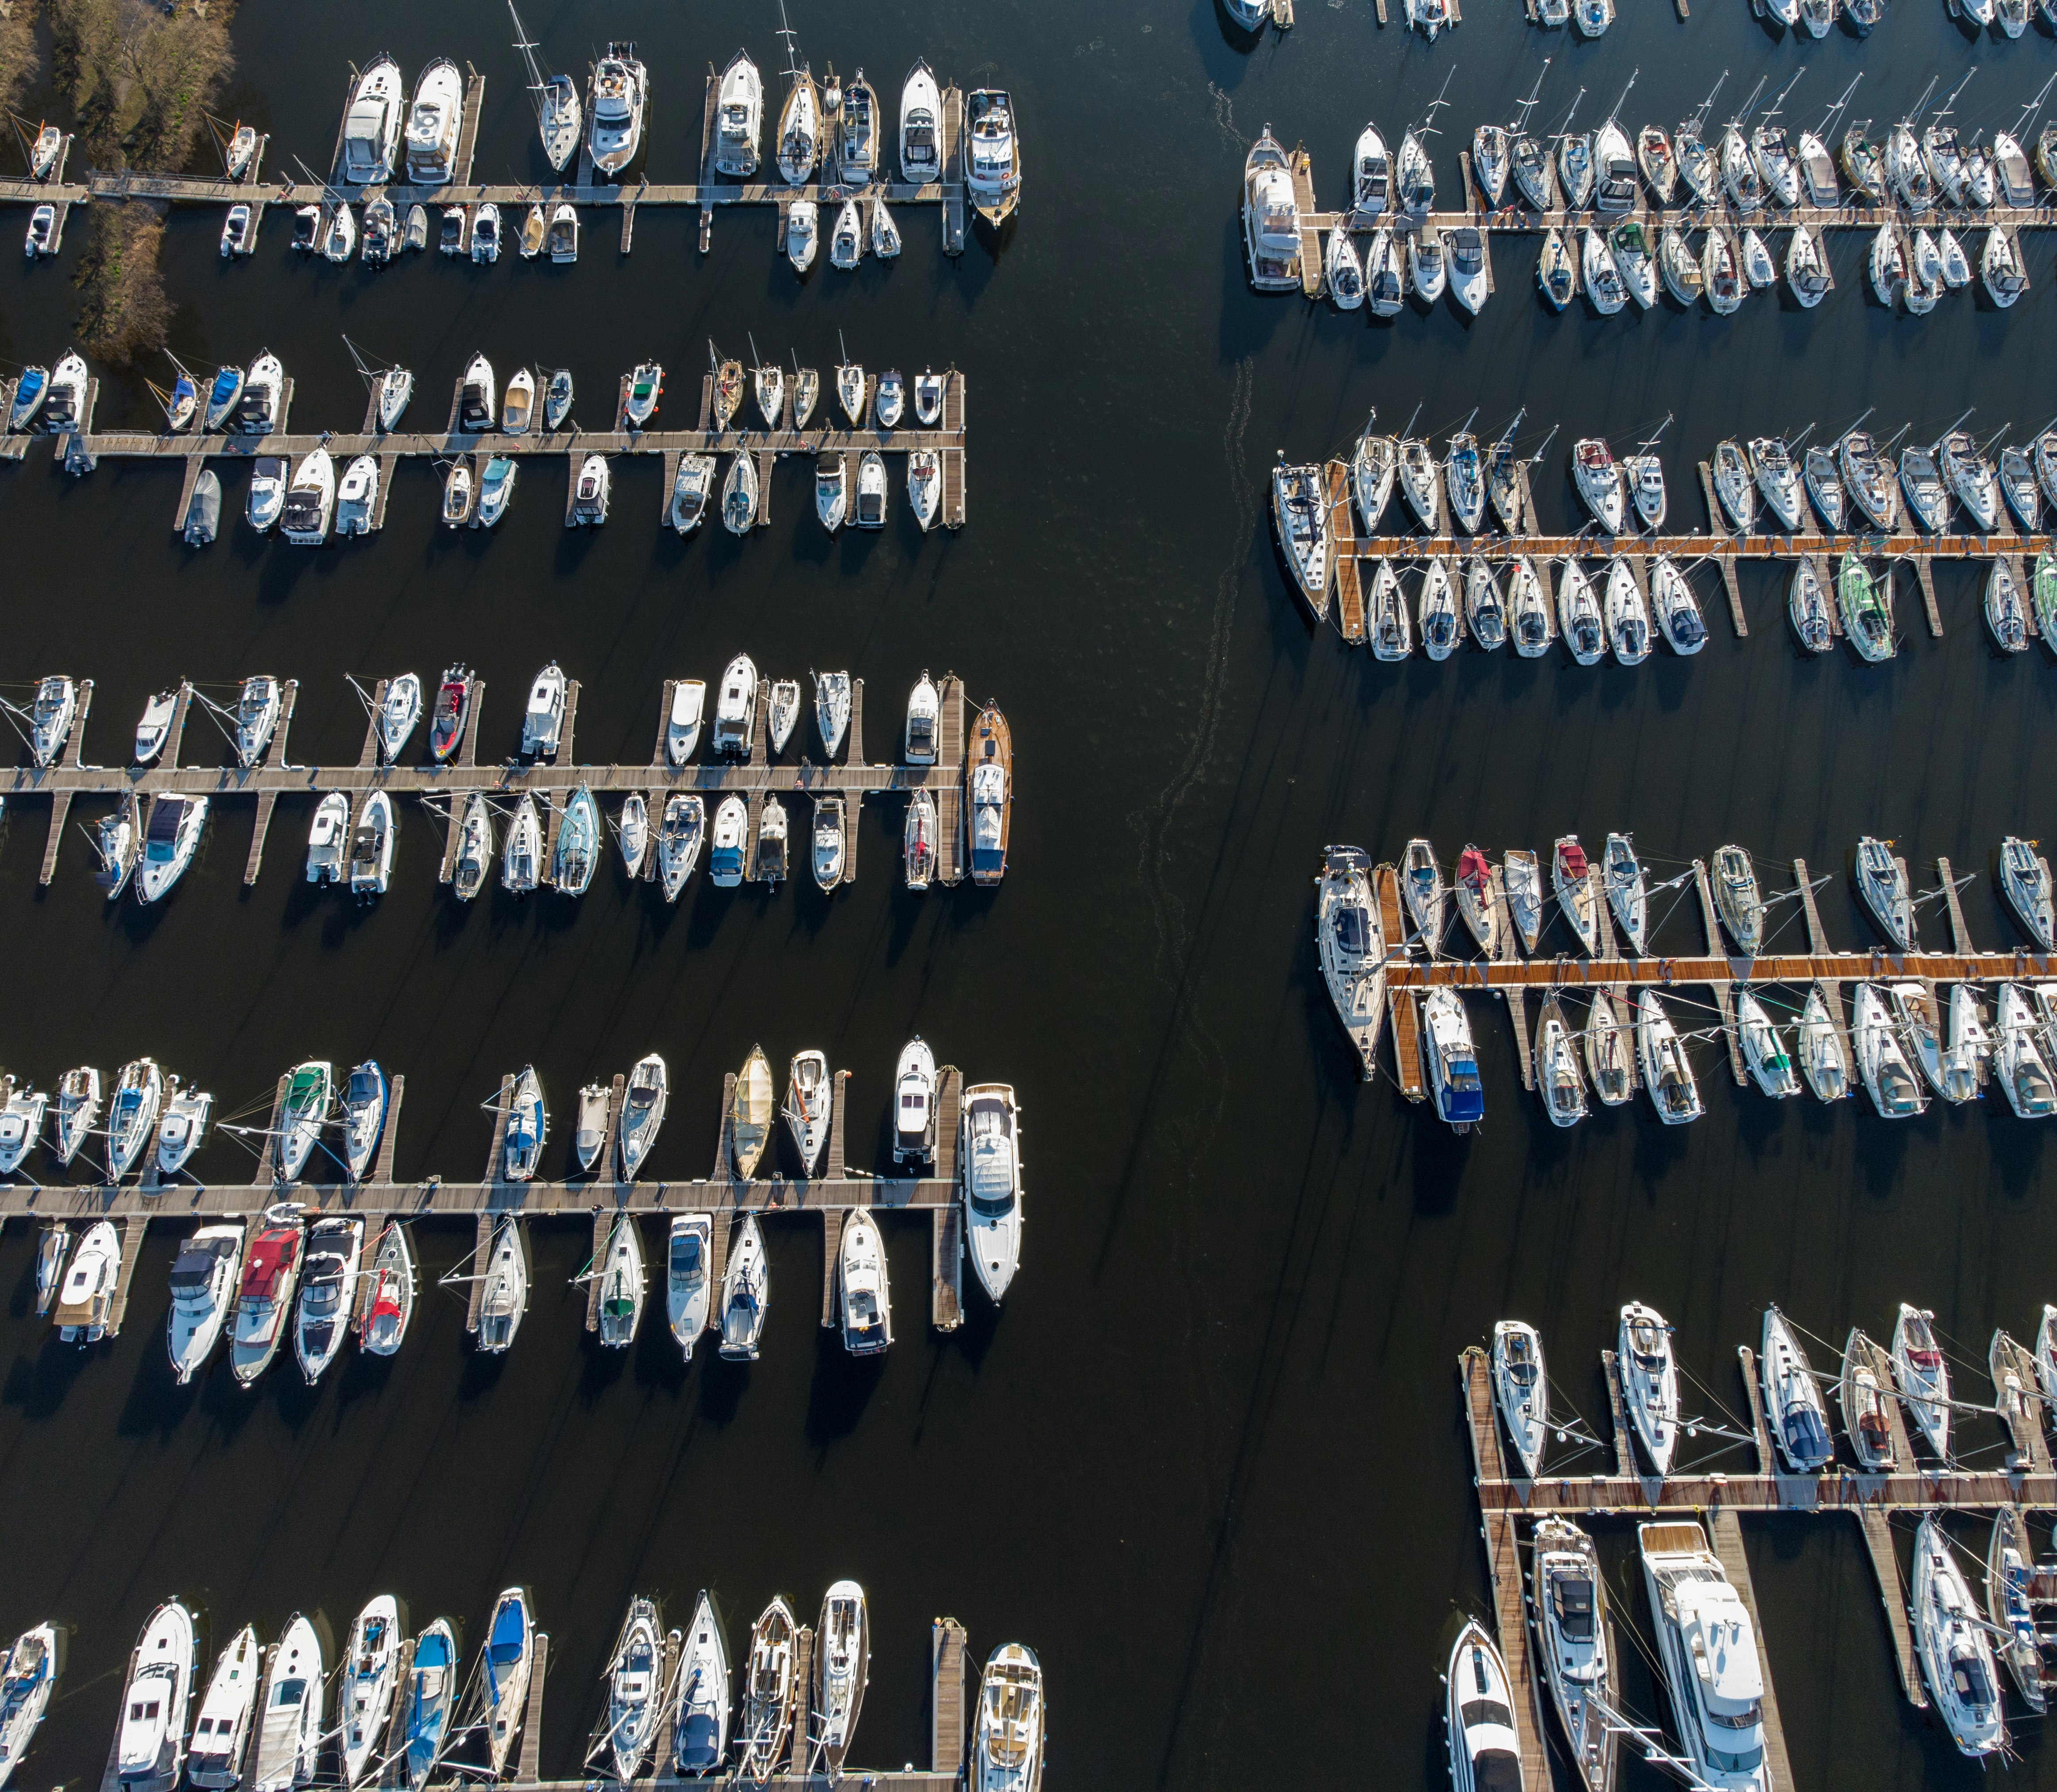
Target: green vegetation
{"x":18,"y":61}
{"x":124,"y":313}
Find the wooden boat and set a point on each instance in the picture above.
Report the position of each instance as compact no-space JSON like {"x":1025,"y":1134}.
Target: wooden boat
{"x":751,"y":1112}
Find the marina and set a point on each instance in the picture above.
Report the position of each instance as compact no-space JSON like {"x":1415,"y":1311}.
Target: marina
{"x":758,"y":773}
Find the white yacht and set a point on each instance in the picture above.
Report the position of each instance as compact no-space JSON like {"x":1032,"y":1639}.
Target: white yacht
{"x":542,"y":723}
{"x":371,"y":846}
{"x":1769,"y":1066}
{"x":700,"y":1716}
{"x":1915,"y":1019}
{"x":809,"y":1095}
{"x":508,"y":1661}
{"x":1956,"y":1656}
{"x":28,"y":1670}
{"x":50,"y":718}
{"x":1485,"y":1753}
{"x":1521,"y":1390}
{"x":1453,"y":1070}
{"x":1439,"y":611}
{"x":2026,"y":884}
{"x":1771,"y":466}
{"x":745,"y":1290}
{"x":504,"y":1297}
{"x":914,"y":1105}
{"x":740,"y":113}
{"x":1558,"y":1073}
{"x":169,"y":842}
{"x":1792,"y":1404}
{"x":1571,"y":875}
{"x":1709,"y":1649}
{"x":1391,"y":625}
{"x":132,"y":1116}
{"x":692,"y":491}
{"x":1609,"y":1043}
{"x":920,"y":128}
{"x":735,"y":709}
{"x":310,"y":505}
{"x":1888,"y":1077}
{"x":1738,"y":899}
{"x":150,"y":1748}
{"x":433,"y":123}
{"x":1352,"y":946}
{"x":21,"y":1127}
{"x":1649,"y":1370}
{"x":1007,"y":1743}
{"x":621,"y":94}
{"x":289,"y":1734}
{"x":527,"y":1127}
{"x":474,"y":849}
{"x":84,"y":1296}
{"x":371,"y":1665}
{"x":328,"y":839}
{"x":78,"y":1109}
{"x":642,"y":1109}
{"x":328,"y":1293}
{"x":1270,"y":218}
{"x":372,"y":125}
{"x":680,"y":833}
{"x":729,"y":841}
{"x":992,"y":162}
{"x":227,"y":1711}
{"x":1569,"y":1597}
{"x":204,"y":1276}
{"x":688,"y":1292}
{"x":2020,"y":1061}
{"x":1921,"y":1373}
{"x":989,"y":1152}
{"x":864,"y":1297}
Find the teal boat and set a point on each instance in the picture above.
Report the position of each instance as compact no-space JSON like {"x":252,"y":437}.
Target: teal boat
{"x":1866,"y":603}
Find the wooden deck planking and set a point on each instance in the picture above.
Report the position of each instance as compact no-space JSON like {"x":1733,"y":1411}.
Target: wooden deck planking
{"x":482,"y":1242}
{"x":532,"y":1714}
{"x":1344,"y":581}
{"x":133,"y":1225}
{"x":1960,"y":935}
{"x":800,"y":1747}
{"x":948,"y":1648}
{"x":268,"y":1157}
{"x":1885,"y":1569}
{"x":1407,"y":1046}
{"x":831,"y":1259}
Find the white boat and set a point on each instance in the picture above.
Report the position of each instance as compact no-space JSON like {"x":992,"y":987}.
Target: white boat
{"x":692,"y":491}
{"x":1951,"y":1641}
{"x":1570,"y":877}
{"x":371,"y":846}
{"x":527,"y":1127}
{"x":577,"y":852}
{"x":264,"y":1295}
{"x":290,"y":1725}
{"x":1735,"y":485}
{"x":1007,"y":1744}
{"x":310,"y":503}
{"x":800,"y":131}
{"x":1605,"y":289}
{"x":591,"y":493}
{"x":643,"y":1108}
{"x":2020,"y":1062}
{"x":864,"y":1298}
{"x":2001,"y":267}
{"x":1737,"y":898}
{"x":1888,"y":1077}
{"x":382,"y":1322}
{"x":150,"y":1748}
{"x":1762,"y":1052}
{"x":1521,"y":1390}
{"x":619,"y":1270}
{"x":64,"y":398}
{"x":399,"y":712}
{"x":433,"y":123}
{"x":738,"y":495}
{"x":1528,"y":608}
{"x":2027,"y":885}
{"x":1921,"y":1373}
{"x":132,"y":1116}
{"x":634,"y":1690}
{"x":1882,"y":883}
{"x":84,"y":1295}
{"x":1792,"y":1404}
{"x":1867,"y":1417}
{"x":729,"y":841}
{"x":992,"y":165}
{"x":847,"y":240}
{"x":485,"y":234}
{"x":680,"y":835}
{"x":371,"y":124}
{"x":1772,"y":467}
{"x":78,"y":1109}
{"x":203,"y":1282}
{"x":1569,"y":1597}
{"x":1270,"y":218}
{"x":21,"y":1126}
{"x":688,"y":1292}
{"x":745,"y":1290}
{"x":914,"y":1105}
{"x":589,"y":1124}
{"x":1609,"y":1043}
{"x":370,"y":1673}
{"x":504,"y":1667}
{"x":1580,"y":616}
{"x":1351,"y":945}
{"x":475,"y":848}
{"x":503,"y":1297}
{"x":1622,"y":872}
{"x":328,"y":1292}
{"x":1422,"y":888}
{"x":620,"y":95}
{"x":227,"y":1712}
{"x":542,"y":723}
{"x":884,"y":233}
{"x":1668,"y":1073}
{"x":339,"y":236}
{"x":828,"y":841}
{"x":1485,"y":611}
{"x":1627,"y":617}
{"x":363,"y":1117}
{"x":989,"y":1152}
{"x":1427,"y":267}
{"x":700,"y":1715}
{"x":1485,"y":1752}
{"x":1708,"y":1646}
{"x":739,"y":117}
{"x":1679,"y":616}
{"x":1391,"y":626}
{"x":1557,"y":1076}
{"x":1965,"y":1059}
{"x":1453,"y":1072}
{"x":809,"y":1099}
{"x":169,"y":842}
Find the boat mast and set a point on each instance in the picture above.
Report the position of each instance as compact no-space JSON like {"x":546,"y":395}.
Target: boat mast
{"x":1771,"y":111}
{"x":536,"y":79}
{"x":1836,"y":111}
{"x":1536,"y":458}
{"x":1751,"y":101}
{"x":1943,"y":110}
{"x":1925,"y":92}
{"x":1564,"y":129}
{"x":1506,"y":434}
{"x":1615,"y":116}
{"x":786,"y":31}
{"x":1698,"y":121}
{"x":1428,"y":128}
{"x":2024,"y":128}
{"x":1661,"y":428}
{"x":1528,"y":105}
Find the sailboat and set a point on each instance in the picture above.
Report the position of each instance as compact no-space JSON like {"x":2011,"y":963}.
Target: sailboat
{"x":558,"y":111}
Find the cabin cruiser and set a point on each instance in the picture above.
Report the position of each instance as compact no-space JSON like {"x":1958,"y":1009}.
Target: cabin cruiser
{"x":1270,"y":218}
{"x":1887,"y":1076}
{"x":1465,"y":252}
{"x":269,"y":476}
{"x":1371,"y":189}
{"x":847,"y":240}
{"x":924,"y":486}
{"x":271,"y":1271}
{"x":1622,"y":874}
{"x":485,"y":234}
{"x":21,"y":1126}
{"x":1568,"y":1593}
{"x":621,"y":93}
{"x":2026,"y":884}
{"x":725,"y":857}
{"x":802,"y":234}
{"x":542,"y":723}
{"x":371,"y":126}
{"x":591,"y":495}
{"x":682,"y":725}
{"x":1428,"y":269}
{"x":132,"y":1116}
{"x":1678,"y":610}
{"x":1649,"y":1381}
{"x":1737,"y":896}
{"x":221,"y":1732}
{"x":476,"y":409}
{"x":1521,"y":1390}
{"x":989,"y":1152}
{"x":1452,"y":1059}
{"x":85,"y":1297}
{"x":2019,"y":1061}
{"x":1951,"y":1639}
{"x":357,"y":496}
{"x":1707,"y":1643}
{"x":290,"y":1730}
{"x":504,"y":1290}
{"x":920,"y":128}
{"x":1570,"y":876}
{"x":169,"y":842}
{"x":863,"y":1296}
{"x":1627,"y":619}
{"x":1485,"y":1752}
{"x":1882,"y":882}
{"x":739,"y":115}
{"x":992,"y":169}
{"x":150,"y":1747}
{"x":433,"y":122}
{"x":1866,"y":604}
{"x":1772,"y":467}
{"x":1352,"y":947}
{"x":310,"y":501}
{"x":692,"y":490}
{"x":1765,"y":1057}
{"x":1666,"y":1072}
{"x":64,"y":398}
{"x":828,"y":843}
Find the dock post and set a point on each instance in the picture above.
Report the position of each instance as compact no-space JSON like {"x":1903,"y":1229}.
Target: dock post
{"x":1885,"y":1568}
{"x":947,"y":1651}
{"x":1728,"y":1546}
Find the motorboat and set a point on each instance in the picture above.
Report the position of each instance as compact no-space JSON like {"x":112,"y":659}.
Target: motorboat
{"x":1679,"y":616}
{"x":118,"y":838}
{"x":1571,"y":878}
{"x":1707,"y":1642}
{"x":828,"y":840}
{"x":64,"y":398}
{"x":688,"y":1291}
{"x":1627,"y":616}
{"x":1807,"y":606}
{"x":528,"y":1127}
{"x":203,"y":1285}
{"x":543,"y":721}
{"x":1007,"y":1744}
{"x":918,"y":841}
{"x":1270,"y":218}
{"x":635,"y":1690}
{"x":310,"y":504}
{"x":593,"y":492}
{"x":888,"y":400}
{"x":132,"y":1116}
{"x":1568,"y":1593}
{"x":371,"y":1674}
{"x":1485,"y":1751}
{"x":740,"y":118}
{"x":992,"y":166}
{"x":2025,"y":881}
{"x":1882,"y":882}
{"x":485,"y":234}
{"x":700,"y":1715}
{"x":863,"y":1295}
{"x":1371,"y":187}
{"x":1762,"y":1052}
{"x":1453,"y":1070}
{"x":33,"y":387}
{"x":382,"y":1322}
{"x":621,"y":96}
{"x":857,"y":132}
{"x":267,"y":494}
{"x":476,"y":409}
{"x":920,"y":128}
{"x":1649,"y":1368}
{"x":227,"y":1713}
{"x":84,"y":1293}
{"x":453,"y":708}
{"x":578,"y":848}
{"x":1882,"y":1060}
{"x":416,"y":235}
{"x":1738,"y":899}
{"x":150,"y":1747}
{"x":924,"y":486}
{"x":503,"y":1296}
{"x":692,"y":491}
{"x":203,"y":513}
{"x":291,"y":1725}
{"x":171,"y":838}
{"x":1521,"y":1390}
{"x":769,"y":1691}
{"x":831,"y":489}
{"x":1615,"y":189}
{"x":730,"y":841}
{"x":1667,"y":1073}
{"x":372,"y":125}
{"x":21,"y":1125}
{"x":989,"y":1154}
{"x":561,"y":234}
{"x":429,"y":1701}
{"x":589,"y":1126}
{"x":1428,"y":269}
{"x":1865,"y":602}
{"x":745,"y":1290}
{"x":357,"y":496}
{"x":1952,"y":1642}
{"x":619,"y":1270}
{"x":517,"y":403}
{"x":1485,"y":612}
{"x":682,"y":724}
{"x":433,"y":123}
{"x":504,"y":1667}
{"x":264,"y":1295}
{"x":2020,"y":1063}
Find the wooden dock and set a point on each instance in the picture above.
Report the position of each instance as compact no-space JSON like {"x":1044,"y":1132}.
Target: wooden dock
{"x":448,"y":786}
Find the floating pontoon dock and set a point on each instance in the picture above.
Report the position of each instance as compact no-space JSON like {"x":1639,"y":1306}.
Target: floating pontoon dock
{"x":725,"y":1198}
{"x":759,"y":773}
{"x":1506,"y":1499}
{"x":1349,"y":578}
{"x":709,"y":192}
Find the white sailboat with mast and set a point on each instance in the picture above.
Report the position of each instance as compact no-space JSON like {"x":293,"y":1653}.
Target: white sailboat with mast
{"x":559,"y":113}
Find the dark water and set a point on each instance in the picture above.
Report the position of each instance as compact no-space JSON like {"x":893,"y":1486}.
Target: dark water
{"x":1209,"y":1462}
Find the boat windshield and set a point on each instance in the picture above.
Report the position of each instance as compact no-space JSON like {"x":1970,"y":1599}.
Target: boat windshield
{"x":1496,"y":1770}
{"x":1572,"y":1596}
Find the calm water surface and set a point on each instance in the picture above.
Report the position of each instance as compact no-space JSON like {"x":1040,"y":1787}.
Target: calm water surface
{"x":1209,"y":1462}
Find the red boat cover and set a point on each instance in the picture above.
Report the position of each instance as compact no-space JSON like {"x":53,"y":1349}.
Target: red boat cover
{"x":1572,"y":857}
{"x":1473,"y":870}
{"x":270,"y":1258}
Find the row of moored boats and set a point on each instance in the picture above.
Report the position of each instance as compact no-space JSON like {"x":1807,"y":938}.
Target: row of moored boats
{"x":405,"y":1710}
